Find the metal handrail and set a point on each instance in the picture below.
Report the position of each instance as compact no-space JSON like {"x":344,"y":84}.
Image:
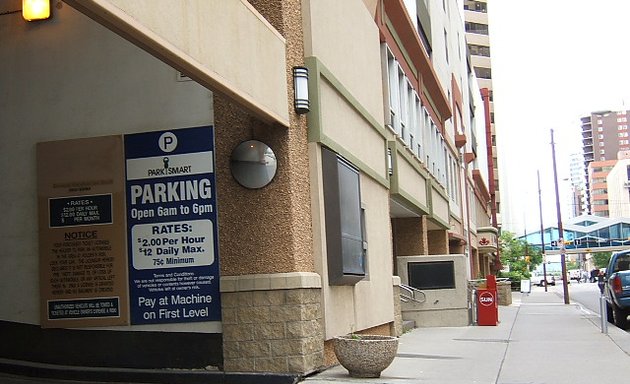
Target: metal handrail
{"x":477,"y":282}
{"x":412,"y":294}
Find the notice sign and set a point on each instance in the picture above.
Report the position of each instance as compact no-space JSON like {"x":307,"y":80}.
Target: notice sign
{"x":82,"y":232}
{"x":172,"y":226}
{"x":83,"y":210}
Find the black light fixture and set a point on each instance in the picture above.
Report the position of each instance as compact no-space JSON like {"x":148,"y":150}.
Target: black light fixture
{"x":300,"y":89}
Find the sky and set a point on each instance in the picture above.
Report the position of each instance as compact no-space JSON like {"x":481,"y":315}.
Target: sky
{"x":553,"y":62}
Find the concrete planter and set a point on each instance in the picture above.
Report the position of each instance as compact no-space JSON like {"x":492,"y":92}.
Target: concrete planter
{"x":365,"y":355}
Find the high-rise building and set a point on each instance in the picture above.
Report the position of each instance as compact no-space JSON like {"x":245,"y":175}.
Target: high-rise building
{"x":578,"y":193}
{"x":598,"y":189}
{"x":604,"y":134}
{"x":478,"y":41}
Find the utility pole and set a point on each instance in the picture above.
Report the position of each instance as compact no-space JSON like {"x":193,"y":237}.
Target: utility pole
{"x":542,"y":233}
{"x":560,"y":229}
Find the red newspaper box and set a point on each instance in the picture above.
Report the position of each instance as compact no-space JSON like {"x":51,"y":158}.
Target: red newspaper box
{"x":488,"y":303}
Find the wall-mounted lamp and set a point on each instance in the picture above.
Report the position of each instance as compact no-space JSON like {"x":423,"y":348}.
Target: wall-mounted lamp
{"x":35,"y":9}
{"x":300,"y":86}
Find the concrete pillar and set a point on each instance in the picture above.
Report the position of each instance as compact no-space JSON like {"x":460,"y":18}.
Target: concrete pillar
{"x":396,"y":325}
{"x":272,"y":313}
{"x":438,"y":242}
{"x":410,"y":236}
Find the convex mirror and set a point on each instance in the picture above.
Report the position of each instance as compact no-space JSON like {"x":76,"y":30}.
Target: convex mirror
{"x":253,"y":164}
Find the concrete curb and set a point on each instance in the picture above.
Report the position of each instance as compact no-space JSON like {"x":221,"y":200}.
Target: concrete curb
{"x":159,"y":376}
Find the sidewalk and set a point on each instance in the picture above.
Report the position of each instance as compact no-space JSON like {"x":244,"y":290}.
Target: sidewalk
{"x":539,"y":340}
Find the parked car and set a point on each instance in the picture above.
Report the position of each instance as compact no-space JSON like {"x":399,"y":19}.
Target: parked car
{"x":616,"y":283}
{"x":539,"y":280}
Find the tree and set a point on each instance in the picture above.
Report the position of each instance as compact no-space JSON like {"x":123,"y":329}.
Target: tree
{"x":521,"y":257}
{"x":601,"y":259}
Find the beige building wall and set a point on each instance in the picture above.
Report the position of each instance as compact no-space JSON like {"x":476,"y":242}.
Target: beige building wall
{"x":347,"y":117}
{"x":440,"y":205}
{"x":411,"y":182}
{"x":354,"y":58}
{"x":204,"y":49}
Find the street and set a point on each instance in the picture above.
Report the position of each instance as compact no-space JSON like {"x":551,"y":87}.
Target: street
{"x":585,"y":294}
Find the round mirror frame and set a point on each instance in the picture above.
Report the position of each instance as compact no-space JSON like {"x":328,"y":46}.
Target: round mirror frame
{"x":253,"y":164}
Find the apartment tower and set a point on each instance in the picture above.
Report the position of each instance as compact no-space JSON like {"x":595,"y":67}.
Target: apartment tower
{"x":604,"y":135}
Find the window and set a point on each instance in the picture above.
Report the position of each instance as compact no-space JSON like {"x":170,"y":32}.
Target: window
{"x":446,"y":45}
{"x":479,"y":50}
{"x":483,"y":73}
{"x":412,"y":123}
{"x":480,"y":29}
{"x":413,"y":119}
{"x":392,"y":77}
{"x":402,"y":107}
{"x":345,"y":229}
{"x":477,"y":6}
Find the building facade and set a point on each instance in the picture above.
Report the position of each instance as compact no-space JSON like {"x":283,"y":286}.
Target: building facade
{"x":172,"y":191}
{"x":618,"y":186}
{"x":477,"y":34}
{"x":583,"y":236}
{"x":604,"y":134}
{"x":598,"y":188}
{"x":577,"y":193}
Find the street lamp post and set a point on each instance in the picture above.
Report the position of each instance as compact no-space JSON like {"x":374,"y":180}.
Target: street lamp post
{"x":560,"y":229}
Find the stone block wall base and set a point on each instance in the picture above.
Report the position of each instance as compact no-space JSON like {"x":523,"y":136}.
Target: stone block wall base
{"x":272,"y":323}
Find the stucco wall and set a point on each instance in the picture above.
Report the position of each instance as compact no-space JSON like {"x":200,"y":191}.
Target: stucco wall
{"x":348,"y":117}
{"x":440,"y":206}
{"x":354,"y":58}
{"x":411,"y":182}
{"x":342,"y":124}
{"x":238,"y":54}
{"x":351,"y":308}
{"x":442,"y":307}
{"x":267,"y":230}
